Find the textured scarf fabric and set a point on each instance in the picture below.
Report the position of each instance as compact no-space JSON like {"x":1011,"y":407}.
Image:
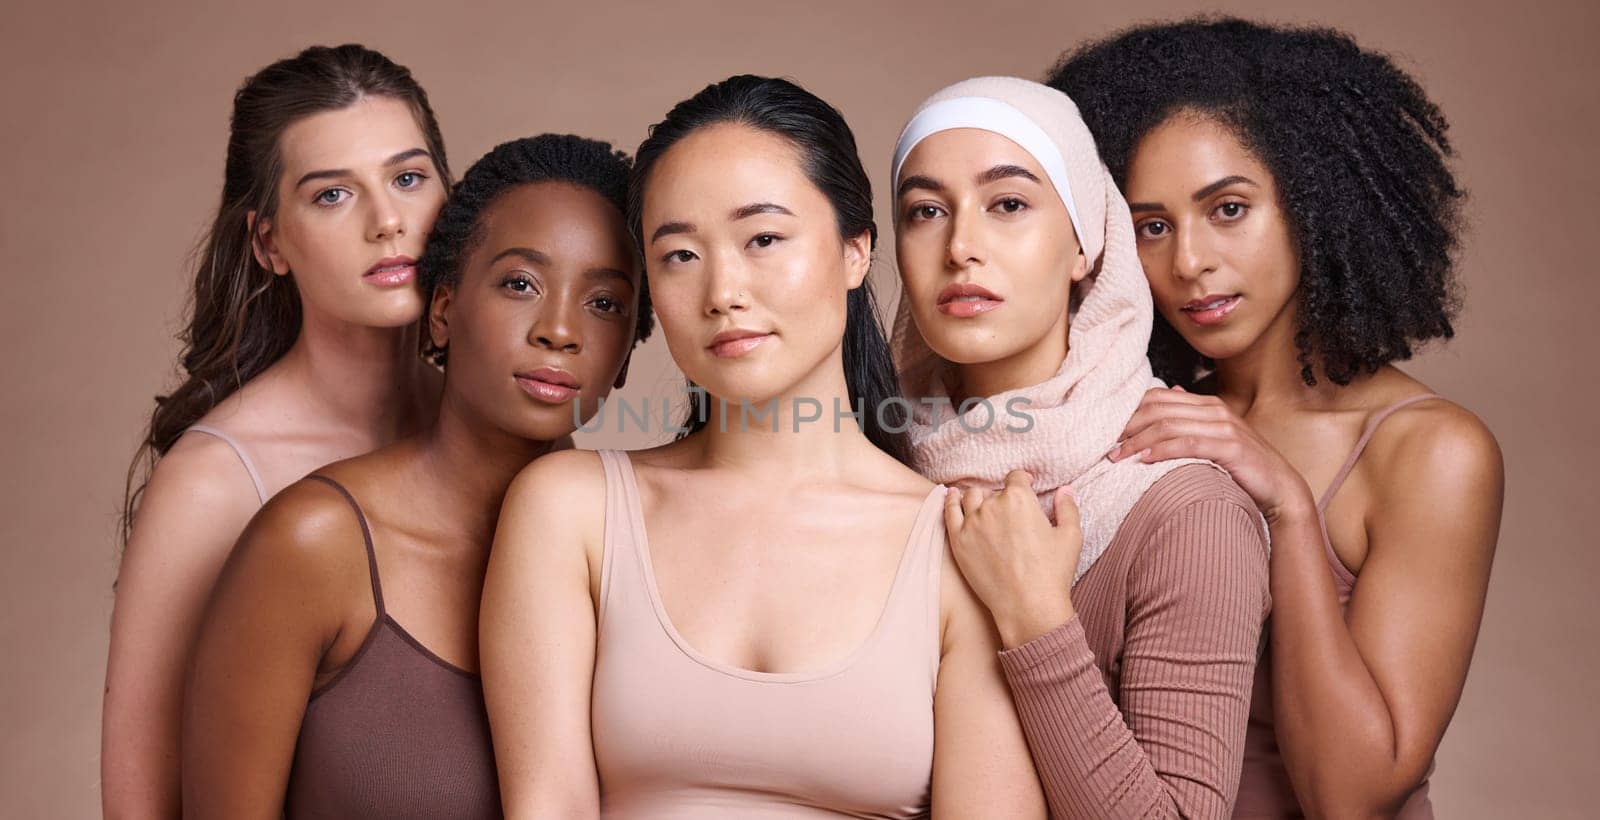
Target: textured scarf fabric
{"x":1078,"y":413}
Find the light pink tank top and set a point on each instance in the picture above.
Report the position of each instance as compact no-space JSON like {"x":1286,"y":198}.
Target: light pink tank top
{"x":680,"y":735}
{"x":1264,"y":789}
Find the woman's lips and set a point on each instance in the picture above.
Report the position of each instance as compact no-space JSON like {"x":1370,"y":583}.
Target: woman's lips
{"x":548,"y":385}
{"x":965,"y":299}
{"x":1211,"y":310}
{"x":396,"y":270}
{"x":732,"y":344}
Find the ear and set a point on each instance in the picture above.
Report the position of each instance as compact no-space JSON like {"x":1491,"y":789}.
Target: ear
{"x":263,"y":245}
{"x":622,"y":375}
{"x":858,"y":258}
{"x":439,"y":315}
{"x":1080,"y":267}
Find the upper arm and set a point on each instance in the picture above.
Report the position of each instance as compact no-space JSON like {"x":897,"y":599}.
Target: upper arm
{"x":279,"y":602}
{"x":981,"y":763}
{"x":1197,"y":601}
{"x":196,"y":503}
{"x":1415,"y":612}
{"x":537,"y":636}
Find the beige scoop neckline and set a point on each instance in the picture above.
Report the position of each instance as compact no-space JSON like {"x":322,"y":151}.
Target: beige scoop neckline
{"x":641,"y":542}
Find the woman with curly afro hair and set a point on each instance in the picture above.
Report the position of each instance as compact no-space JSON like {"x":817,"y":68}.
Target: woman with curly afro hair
{"x":1296,"y":219}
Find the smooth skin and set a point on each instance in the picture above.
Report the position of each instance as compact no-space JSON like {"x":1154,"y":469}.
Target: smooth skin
{"x":780,"y":588}
{"x":1361,"y":696}
{"x":553,"y":283}
{"x":352,"y":382}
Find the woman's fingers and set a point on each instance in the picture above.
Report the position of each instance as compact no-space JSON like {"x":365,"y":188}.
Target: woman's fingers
{"x":1150,"y":412}
{"x":971,"y":499}
{"x":1187,"y":437}
{"x":954,"y":518}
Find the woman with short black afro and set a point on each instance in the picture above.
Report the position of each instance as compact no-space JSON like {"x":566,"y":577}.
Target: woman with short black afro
{"x":1296,"y":218}
{"x":576,"y":161}
{"x":335,"y":670}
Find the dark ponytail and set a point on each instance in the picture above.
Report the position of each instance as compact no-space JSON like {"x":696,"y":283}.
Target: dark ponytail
{"x":828,"y":149}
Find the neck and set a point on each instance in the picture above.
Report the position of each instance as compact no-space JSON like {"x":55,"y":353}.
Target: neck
{"x":1268,"y":371}
{"x":797,"y":435}
{"x":470,"y":464}
{"x":367,"y":378}
{"x":1025,"y":368}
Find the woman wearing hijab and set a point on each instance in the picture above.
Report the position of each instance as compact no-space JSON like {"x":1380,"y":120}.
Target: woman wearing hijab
{"x":1129,"y":597}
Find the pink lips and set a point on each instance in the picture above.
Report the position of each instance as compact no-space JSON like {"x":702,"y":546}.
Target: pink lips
{"x":965,"y":299}
{"x":548,"y":384}
{"x":1211,"y":309}
{"x":734,"y":343}
{"x":391,"y":271}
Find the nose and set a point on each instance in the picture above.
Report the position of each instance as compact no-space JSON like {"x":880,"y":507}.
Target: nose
{"x":1193,"y":256}
{"x":726,"y":291}
{"x":386,"y":222}
{"x":555,"y":327}
{"x":965,"y":246}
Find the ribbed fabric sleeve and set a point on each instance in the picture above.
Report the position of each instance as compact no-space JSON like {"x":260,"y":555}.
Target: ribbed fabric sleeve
{"x":1136,"y":708}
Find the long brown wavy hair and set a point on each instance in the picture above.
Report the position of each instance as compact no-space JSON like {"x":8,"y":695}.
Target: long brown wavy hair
{"x":242,"y":317}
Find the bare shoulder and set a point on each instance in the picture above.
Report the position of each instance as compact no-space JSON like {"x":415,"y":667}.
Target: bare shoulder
{"x":565,"y":479}
{"x":1433,"y":446}
{"x":556,"y":500}
{"x":309,"y":535}
{"x":198,"y":494}
{"x":206,"y":468}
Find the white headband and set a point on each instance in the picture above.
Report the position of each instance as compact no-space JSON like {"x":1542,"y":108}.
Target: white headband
{"x":989,"y":114}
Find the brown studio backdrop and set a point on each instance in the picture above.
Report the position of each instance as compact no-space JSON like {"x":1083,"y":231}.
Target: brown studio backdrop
{"x":116,"y":118}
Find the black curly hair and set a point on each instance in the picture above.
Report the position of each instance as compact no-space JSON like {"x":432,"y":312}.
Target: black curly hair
{"x":1359,"y":154}
{"x":583,"y":162}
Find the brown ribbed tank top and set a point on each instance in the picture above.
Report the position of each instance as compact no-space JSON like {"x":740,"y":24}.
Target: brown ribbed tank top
{"x":1264,"y":789}
{"x":397,"y":733}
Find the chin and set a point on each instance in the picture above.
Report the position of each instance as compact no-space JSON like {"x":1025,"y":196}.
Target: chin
{"x":978,"y":348}
{"x":394,"y":315}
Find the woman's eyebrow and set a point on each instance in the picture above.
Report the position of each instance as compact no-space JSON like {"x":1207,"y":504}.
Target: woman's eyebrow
{"x":1220,"y":184}
{"x":1000,"y":172}
{"x":336,"y":173}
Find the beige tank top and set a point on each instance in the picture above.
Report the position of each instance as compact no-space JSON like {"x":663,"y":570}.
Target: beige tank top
{"x":680,"y":735}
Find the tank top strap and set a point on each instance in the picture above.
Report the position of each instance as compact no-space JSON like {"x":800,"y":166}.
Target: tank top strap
{"x":929,"y":554}
{"x":1361,"y":445}
{"x":366,"y":537}
{"x":238,"y":450}
{"x":622,"y":510}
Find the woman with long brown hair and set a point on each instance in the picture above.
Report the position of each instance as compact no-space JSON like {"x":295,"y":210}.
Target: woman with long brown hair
{"x":301,"y":349}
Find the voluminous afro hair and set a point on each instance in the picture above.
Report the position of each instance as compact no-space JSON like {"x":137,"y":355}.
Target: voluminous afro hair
{"x":583,"y":162}
{"x":1358,"y":152}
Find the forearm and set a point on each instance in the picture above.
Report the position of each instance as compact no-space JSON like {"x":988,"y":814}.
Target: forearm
{"x":1170,"y":744}
{"x":1334,"y":727}
{"x":1088,"y":760}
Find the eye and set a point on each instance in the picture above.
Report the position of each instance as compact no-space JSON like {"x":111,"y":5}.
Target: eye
{"x":1232,"y":210}
{"x":607,"y":304}
{"x":678,"y":256}
{"x":1153,"y":229}
{"x":410,"y":179}
{"x":1011,"y":205}
{"x":518,"y":283}
{"x":765,"y":240}
{"x":924,"y":212}
{"x":332,"y":196}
